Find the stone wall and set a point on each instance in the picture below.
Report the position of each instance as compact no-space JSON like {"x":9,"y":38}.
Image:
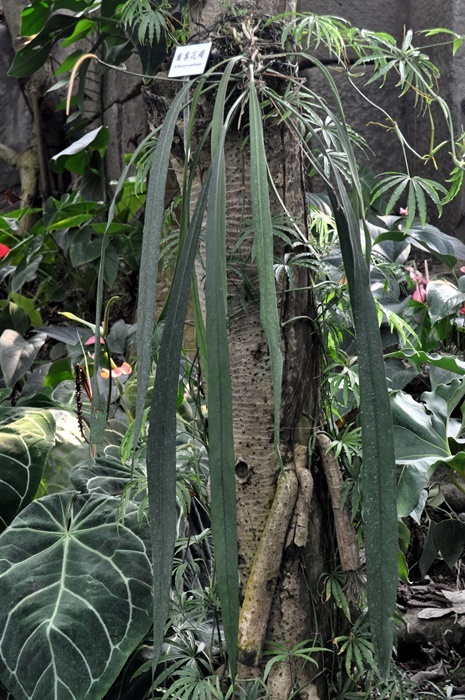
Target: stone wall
{"x":124,"y":114}
{"x":395,"y":17}
{"x":15,"y":117}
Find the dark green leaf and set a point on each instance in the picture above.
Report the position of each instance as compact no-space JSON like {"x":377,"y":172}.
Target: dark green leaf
{"x":33,"y":56}
{"x":221,"y":440}
{"x":263,"y":248}
{"x":449,"y":536}
{"x":150,"y":250}
{"x":26,"y":437}
{"x":17,"y":354}
{"x":446,"y":537}
{"x":75,"y":596}
{"x":378,"y":472}
{"x":161,"y":444}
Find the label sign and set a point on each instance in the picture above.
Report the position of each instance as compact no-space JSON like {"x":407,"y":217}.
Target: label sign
{"x":190,"y":60}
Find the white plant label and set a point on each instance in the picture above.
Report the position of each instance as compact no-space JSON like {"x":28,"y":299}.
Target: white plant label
{"x":190,"y":60}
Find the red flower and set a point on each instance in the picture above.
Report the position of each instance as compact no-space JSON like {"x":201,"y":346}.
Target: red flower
{"x":4,"y":250}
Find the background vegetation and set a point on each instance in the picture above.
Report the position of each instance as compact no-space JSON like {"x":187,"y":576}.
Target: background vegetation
{"x":105,"y":520}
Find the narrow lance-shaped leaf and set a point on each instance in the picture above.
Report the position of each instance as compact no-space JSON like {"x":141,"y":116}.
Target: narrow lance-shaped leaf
{"x":161,"y":445}
{"x":150,"y":252}
{"x":221,"y":441}
{"x":98,"y":416}
{"x":263,"y":247}
{"x":378,"y":473}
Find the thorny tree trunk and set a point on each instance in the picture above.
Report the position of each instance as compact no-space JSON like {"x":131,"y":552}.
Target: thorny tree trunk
{"x":282,"y":530}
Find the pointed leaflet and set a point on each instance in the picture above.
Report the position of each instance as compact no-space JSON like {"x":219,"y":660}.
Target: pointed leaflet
{"x":263,"y":247}
{"x":161,"y":445}
{"x":221,"y":442}
{"x":378,"y":473}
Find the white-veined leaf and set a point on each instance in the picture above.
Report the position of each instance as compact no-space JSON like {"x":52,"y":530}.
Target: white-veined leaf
{"x":75,"y":596}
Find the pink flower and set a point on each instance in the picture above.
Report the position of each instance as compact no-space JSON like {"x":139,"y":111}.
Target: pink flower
{"x":420,"y":293}
{"x":420,"y":284}
{"x":91,"y":340}
{"x":403,"y":212}
{"x":416,"y":276}
{"x":117,"y":371}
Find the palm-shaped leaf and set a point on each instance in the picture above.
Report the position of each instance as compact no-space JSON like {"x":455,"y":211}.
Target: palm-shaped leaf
{"x":416,"y":188}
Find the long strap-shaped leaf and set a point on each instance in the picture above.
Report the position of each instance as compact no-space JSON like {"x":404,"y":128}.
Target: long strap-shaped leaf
{"x":98,"y":414}
{"x":221,"y":441}
{"x":161,"y":445}
{"x":150,"y":253}
{"x":263,"y":248}
{"x":378,"y":472}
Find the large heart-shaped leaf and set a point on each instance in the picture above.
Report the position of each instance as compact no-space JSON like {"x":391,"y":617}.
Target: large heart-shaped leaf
{"x":425,"y":436}
{"x":75,"y":596}
{"x":105,"y":475}
{"x":443,"y":299}
{"x":26,"y":437}
{"x":446,"y":248}
{"x":18,"y":354}
{"x":447,"y":537}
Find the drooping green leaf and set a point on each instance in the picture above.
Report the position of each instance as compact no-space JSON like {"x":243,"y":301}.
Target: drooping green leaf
{"x":443,"y":298}
{"x":150,"y":250}
{"x":161,"y":444}
{"x":425,"y":437}
{"x":26,"y":437}
{"x":33,"y":56}
{"x":75,"y":596}
{"x":221,"y":440}
{"x":417,"y":436}
{"x":263,"y":248}
{"x":95,"y":140}
{"x":414,"y":478}
{"x":446,"y":248}
{"x":378,"y":472}
{"x":417,"y":357}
